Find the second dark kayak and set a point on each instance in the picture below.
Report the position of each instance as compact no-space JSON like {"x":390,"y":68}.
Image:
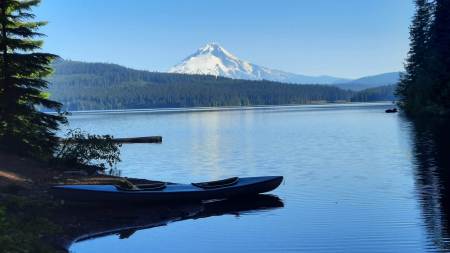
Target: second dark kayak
{"x":162,"y":192}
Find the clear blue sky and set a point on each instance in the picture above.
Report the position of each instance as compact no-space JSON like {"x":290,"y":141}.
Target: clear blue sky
{"x":346,"y":38}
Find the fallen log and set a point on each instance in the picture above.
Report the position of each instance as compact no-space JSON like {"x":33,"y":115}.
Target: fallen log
{"x":146,"y":139}
{"x":131,"y":140}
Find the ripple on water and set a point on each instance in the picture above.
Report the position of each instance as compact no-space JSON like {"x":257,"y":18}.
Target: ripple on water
{"x":356,"y":179}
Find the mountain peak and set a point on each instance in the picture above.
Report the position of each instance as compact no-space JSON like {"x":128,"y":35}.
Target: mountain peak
{"x":211,"y":47}
{"x":213,"y":59}
{"x":216,"y":50}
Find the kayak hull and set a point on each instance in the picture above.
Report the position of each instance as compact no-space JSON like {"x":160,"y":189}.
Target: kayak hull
{"x":172,"y":192}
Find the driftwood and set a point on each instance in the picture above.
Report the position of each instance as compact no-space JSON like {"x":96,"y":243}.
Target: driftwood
{"x":145,"y":139}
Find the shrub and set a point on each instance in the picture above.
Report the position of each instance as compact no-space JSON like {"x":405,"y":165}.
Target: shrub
{"x":81,"y":149}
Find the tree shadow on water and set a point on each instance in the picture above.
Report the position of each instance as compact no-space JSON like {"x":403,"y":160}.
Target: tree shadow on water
{"x":431,"y":150}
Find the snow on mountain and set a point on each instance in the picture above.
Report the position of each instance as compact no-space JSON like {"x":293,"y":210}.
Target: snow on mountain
{"x":213,"y":59}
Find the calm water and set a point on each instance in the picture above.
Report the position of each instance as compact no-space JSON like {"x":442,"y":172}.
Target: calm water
{"x":356,"y":179}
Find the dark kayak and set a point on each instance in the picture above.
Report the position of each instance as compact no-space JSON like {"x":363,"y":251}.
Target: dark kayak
{"x":164,"y":192}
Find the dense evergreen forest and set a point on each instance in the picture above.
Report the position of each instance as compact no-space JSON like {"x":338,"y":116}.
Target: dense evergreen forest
{"x":100,"y":86}
{"x":382,"y":93}
{"x":425,"y":87}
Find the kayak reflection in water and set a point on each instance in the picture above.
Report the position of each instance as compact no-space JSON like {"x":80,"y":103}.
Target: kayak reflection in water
{"x":82,"y":222}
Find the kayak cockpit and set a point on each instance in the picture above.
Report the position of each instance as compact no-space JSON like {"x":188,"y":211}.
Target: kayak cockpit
{"x":217,"y":184}
{"x":120,"y":183}
{"x":142,"y":187}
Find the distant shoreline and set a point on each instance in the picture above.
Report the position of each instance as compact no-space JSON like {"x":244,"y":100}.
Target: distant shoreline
{"x":232,"y":108}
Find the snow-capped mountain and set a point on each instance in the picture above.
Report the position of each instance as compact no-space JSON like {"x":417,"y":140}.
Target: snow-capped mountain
{"x":213,"y":59}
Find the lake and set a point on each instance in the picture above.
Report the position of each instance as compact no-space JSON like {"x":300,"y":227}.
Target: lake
{"x":356,"y":179}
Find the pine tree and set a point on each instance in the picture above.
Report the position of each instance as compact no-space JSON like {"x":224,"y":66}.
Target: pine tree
{"x":439,"y":56}
{"x":24,"y":128}
{"x":412,"y":89}
{"x":425,"y":88}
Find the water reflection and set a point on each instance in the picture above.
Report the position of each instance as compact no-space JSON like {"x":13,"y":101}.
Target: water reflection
{"x":432,"y":157}
{"x":358,"y":179}
{"x":89,"y":223}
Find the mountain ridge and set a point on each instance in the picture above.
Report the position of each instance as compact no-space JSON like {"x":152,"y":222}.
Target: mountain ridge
{"x":213,"y":59}
{"x":367,"y":82}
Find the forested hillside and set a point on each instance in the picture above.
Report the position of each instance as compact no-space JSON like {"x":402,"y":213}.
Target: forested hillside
{"x":99,"y":86}
{"x":382,"y":93}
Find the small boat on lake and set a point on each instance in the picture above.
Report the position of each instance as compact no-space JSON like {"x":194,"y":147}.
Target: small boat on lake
{"x":391,"y":110}
{"x":167,"y":192}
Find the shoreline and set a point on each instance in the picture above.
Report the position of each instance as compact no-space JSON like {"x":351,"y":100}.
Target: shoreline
{"x":55,"y":226}
{"x":230,"y":108}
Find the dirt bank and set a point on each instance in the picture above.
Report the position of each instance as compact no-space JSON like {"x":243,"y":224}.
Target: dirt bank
{"x":38,"y":223}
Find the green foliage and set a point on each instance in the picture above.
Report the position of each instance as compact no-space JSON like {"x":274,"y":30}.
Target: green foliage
{"x":382,"y":93}
{"x":24,"y":225}
{"x":83,"y":149}
{"x":438,"y":61}
{"x":425,"y":87}
{"x":98,"y":86}
{"x":23,"y":128}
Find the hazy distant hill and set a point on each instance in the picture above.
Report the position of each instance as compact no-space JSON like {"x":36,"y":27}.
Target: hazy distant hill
{"x":88,"y":86}
{"x":371,"y":81}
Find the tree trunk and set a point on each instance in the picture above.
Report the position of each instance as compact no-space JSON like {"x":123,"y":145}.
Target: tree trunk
{"x":5,"y":115}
